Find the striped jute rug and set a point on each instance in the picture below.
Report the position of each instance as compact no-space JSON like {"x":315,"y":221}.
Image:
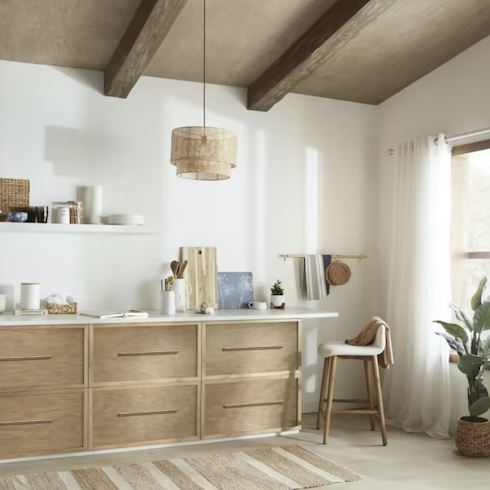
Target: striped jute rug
{"x":279,"y":468}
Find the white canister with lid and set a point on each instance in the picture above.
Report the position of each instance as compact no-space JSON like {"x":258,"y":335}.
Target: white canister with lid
{"x":30,"y":296}
{"x":63,"y":215}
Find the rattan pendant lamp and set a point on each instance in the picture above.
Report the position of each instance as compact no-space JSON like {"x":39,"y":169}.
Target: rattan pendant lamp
{"x":202,"y":152}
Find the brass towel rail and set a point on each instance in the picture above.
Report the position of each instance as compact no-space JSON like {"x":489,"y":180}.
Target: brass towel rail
{"x":334,"y":256}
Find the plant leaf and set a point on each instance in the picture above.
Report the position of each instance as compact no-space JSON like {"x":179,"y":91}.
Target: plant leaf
{"x":480,"y":407}
{"x":482,"y":389}
{"x":462,"y":316}
{"x":487,"y":343}
{"x":476,"y":299}
{"x":470,"y":365}
{"x":481,"y":320}
{"x":457,"y":331}
{"x":456,"y":344}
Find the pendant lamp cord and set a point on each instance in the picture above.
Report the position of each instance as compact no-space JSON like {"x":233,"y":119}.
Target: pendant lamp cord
{"x":204,"y":64}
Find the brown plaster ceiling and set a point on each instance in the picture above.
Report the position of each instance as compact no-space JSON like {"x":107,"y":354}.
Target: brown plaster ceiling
{"x":72,"y":33}
{"x":243,"y":37}
{"x":410,"y":39}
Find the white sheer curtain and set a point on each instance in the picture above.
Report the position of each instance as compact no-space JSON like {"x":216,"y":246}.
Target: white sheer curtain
{"x":417,"y":387}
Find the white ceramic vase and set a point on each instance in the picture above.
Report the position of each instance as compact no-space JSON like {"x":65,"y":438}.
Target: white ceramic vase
{"x":278,"y":300}
{"x":183,"y":290}
{"x":91,"y":196}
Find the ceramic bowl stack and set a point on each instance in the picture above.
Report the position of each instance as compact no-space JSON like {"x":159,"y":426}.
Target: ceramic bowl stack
{"x":126,"y":219}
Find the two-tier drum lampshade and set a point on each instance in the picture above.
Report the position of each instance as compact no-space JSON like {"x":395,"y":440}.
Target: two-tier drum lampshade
{"x":203,"y":153}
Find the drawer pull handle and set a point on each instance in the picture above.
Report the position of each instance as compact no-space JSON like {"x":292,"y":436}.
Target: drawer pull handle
{"x":26,"y":358}
{"x":149,"y":353}
{"x":259,"y":404}
{"x":265,"y":347}
{"x":25,"y":422}
{"x":152,"y":412}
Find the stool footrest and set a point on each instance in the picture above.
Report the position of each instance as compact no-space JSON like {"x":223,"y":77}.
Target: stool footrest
{"x":359,"y":411}
{"x":349,"y":400}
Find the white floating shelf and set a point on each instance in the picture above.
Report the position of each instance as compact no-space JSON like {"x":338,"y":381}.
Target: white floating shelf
{"x":59,"y":228}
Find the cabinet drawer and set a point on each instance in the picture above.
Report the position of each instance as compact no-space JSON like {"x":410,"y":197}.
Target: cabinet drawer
{"x":237,"y":408}
{"x":140,"y":416}
{"x":37,"y":423}
{"x":144,"y":353}
{"x":41,"y":358}
{"x":245,"y":348}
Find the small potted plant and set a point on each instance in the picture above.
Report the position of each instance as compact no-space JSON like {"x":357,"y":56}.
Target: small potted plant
{"x":473,"y":431}
{"x":277,"y":295}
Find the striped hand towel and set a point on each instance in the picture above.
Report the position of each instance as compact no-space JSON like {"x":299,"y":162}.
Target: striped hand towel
{"x":316,"y":283}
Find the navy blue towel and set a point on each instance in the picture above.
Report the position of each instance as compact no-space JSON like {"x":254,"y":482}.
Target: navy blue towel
{"x":327,"y":259}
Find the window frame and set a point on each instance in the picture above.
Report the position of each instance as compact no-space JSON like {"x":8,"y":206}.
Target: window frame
{"x":458,"y":150}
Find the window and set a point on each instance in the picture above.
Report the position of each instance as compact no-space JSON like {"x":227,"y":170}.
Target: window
{"x":470,"y":226}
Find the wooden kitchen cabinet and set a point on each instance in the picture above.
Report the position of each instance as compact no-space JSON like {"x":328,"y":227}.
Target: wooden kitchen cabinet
{"x":66,"y":388}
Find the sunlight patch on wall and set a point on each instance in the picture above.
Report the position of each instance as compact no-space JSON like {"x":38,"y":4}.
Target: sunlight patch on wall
{"x":312,"y":200}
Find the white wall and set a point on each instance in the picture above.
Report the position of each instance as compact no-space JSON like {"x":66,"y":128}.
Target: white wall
{"x":303,"y":184}
{"x":453,"y":99}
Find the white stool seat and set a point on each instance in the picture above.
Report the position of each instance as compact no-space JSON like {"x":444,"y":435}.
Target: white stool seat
{"x":342,"y":349}
{"x":330,"y":349}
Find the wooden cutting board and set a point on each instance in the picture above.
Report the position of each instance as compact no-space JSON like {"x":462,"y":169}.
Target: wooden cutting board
{"x":202,"y":274}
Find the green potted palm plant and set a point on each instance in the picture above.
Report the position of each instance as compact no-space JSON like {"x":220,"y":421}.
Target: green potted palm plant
{"x":473,"y":432}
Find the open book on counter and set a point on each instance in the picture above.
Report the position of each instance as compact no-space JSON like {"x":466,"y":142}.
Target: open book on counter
{"x":120,"y":314}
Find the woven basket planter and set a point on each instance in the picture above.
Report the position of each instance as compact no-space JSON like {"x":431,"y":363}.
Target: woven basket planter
{"x":54,"y":309}
{"x":473,"y":438}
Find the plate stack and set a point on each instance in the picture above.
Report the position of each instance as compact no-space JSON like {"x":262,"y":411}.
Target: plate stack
{"x":126,"y":219}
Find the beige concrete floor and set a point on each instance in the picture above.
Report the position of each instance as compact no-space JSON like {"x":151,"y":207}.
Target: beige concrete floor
{"x":409,"y":462}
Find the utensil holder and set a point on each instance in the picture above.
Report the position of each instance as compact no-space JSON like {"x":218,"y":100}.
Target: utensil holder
{"x":169,"y":302}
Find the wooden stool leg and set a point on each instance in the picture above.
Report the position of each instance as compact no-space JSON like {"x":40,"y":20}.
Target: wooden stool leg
{"x":379,"y":395}
{"x":331,"y":385}
{"x":369,"y":387}
{"x":326,"y":365}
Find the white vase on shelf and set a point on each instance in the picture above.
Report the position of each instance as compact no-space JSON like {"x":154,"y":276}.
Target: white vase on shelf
{"x":91,"y":196}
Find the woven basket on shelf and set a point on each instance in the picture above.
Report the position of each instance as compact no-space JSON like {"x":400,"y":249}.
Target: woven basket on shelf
{"x":473,"y":438}
{"x":14,"y":193}
{"x":54,"y":309}
{"x":337,"y":273}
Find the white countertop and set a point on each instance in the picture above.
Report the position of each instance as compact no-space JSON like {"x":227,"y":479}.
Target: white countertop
{"x":290,"y":313}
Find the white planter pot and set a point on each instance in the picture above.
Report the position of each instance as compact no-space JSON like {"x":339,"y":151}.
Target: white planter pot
{"x":278,"y":300}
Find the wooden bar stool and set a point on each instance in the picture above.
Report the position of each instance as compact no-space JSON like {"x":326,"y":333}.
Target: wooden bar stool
{"x":369,"y":354}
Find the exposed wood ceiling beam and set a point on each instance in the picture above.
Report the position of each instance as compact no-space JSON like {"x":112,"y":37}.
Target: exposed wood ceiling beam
{"x":338,"y":25}
{"x":146,"y":32}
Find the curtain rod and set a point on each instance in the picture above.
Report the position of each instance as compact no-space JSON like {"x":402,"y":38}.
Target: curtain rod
{"x":467,"y":135}
{"x":456,"y":137}
{"x":334,"y":256}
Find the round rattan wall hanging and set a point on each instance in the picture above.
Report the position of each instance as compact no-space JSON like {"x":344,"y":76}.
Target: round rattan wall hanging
{"x":338,"y":273}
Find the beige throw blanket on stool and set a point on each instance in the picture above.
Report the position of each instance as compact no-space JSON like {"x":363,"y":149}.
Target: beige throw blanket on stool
{"x":367,"y":336}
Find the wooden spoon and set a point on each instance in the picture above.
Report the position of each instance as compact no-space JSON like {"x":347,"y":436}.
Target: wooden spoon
{"x":175,"y":266}
{"x":182,"y":269}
